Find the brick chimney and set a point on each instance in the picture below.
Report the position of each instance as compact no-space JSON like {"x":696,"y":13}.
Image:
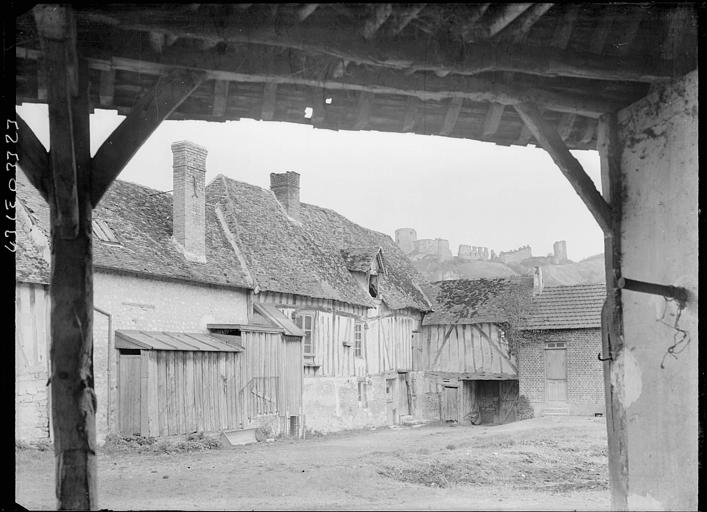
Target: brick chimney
{"x":537,"y":281}
{"x":188,"y":193}
{"x":285,"y":186}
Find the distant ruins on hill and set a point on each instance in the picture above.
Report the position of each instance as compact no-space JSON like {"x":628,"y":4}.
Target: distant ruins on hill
{"x":406,"y":238}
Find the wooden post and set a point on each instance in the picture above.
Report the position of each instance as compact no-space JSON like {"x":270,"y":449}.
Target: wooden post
{"x":72,"y":395}
{"x":612,"y":327}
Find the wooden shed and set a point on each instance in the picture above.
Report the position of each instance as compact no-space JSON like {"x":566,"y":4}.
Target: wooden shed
{"x":235,"y":377}
{"x":176,"y":383}
{"x":463,"y":350}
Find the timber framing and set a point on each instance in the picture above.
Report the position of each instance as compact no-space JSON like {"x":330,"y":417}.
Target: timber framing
{"x":551,"y":141}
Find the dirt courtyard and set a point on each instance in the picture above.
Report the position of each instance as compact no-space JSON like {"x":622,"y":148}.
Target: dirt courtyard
{"x":550,"y":463}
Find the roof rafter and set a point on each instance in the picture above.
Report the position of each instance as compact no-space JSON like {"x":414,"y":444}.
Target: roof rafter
{"x":399,"y":54}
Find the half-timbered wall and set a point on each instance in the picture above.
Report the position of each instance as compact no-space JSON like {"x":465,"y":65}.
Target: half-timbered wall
{"x":477,"y":350}
{"x":341,"y":390}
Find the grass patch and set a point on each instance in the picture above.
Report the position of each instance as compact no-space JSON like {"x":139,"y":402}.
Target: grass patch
{"x":138,"y":444}
{"x":545,"y":464}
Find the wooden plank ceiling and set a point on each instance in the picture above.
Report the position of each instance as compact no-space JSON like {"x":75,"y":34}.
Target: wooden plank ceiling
{"x":439,"y":69}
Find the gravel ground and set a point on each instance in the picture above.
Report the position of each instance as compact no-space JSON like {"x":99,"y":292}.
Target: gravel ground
{"x":551,"y":463}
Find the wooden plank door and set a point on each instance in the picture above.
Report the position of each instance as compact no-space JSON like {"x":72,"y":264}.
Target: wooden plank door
{"x":508,"y":410}
{"x":556,"y":374}
{"x":129,"y":400}
{"x":450,"y":408}
{"x":390,"y":409}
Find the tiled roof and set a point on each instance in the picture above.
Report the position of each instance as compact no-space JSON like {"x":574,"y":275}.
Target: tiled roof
{"x":272,"y":251}
{"x":474,"y":301}
{"x":141,"y":219}
{"x":567,"y":307}
{"x":398,"y":284}
{"x":305,"y":257}
{"x":360,"y":259}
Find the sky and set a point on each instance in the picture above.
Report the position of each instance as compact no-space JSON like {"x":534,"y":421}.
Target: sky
{"x":465,"y":191}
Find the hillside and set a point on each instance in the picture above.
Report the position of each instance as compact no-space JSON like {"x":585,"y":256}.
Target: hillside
{"x":588,"y":271}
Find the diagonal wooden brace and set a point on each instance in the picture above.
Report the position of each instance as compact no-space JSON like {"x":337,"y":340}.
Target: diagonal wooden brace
{"x":151,"y":109}
{"x":551,"y":141}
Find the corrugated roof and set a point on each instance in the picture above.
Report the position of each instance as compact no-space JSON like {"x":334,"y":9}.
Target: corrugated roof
{"x":475,"y":301}
{"x":567,"y":307}
{"x":190,"y":342}
{"x":141,"y":219}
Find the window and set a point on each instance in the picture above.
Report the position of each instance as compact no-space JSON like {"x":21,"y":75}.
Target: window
{"x":103,"y":232}
{"x":305,"y":323}
{"x":555,"y":345}
{"x":358,"y":339}
{"x":373,"y":285}
{"x":362,"y":394}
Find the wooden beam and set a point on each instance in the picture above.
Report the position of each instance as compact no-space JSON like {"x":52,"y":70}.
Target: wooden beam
{"x":399,"y":53}
{"x":306,"y":11}
{"x":269,"y":101}
{"x":411,"y":109}
{"x":33,"y":158}
{"x":73,"y":399}
{"x":601,"y":32}
{"x":147,"y":114}
{"x":563,"y":32}
{"x":492,"y":119}
{"x":157,"y":41}
{"x":609,"y":148}
{"x":41,"y":84}
{"x":564,"y":127}
{"x":444,"y":342}
{"x":524,"y":136}
{"x":381,"y":13}
{"x":588,"y":132}
{"x":220,"y":97}
{"x":106,"y":88}
{"x":241,"y":66}
{"x":568,"y":164}
{"x":521,"y":26}
{"x":628,"y":34}
{"x":318,"y":107}
{"x":468,"y":23}
{"x":450,"y":119}
{"x":405,"y":17}
{"x":500,"y":19}
{"x":365,"y":100}
{"x":677,"y":20}
{"x":54,"y":25}
{"x":492,"y":343}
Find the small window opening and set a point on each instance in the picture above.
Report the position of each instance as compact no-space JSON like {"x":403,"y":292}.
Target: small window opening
{"x":305,"y":323}
{"x":308,"y":111}
{"x":362,"y":394}
{"x":373,"y":285}
{"x":358,"y":339}
{"x":103,"y":232}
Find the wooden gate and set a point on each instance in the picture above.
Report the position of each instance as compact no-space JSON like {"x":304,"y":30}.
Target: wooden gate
{"x":129,"y":394}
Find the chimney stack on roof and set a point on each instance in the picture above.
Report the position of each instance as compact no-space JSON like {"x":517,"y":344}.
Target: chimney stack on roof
{"x":188,"y":194}
{"x":285,"y":186}
{"x":537,"y":281}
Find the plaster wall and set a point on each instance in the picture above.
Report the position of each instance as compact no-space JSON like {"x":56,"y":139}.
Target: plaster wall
{"x":659,"y":243}
{"x":146,"y":304}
